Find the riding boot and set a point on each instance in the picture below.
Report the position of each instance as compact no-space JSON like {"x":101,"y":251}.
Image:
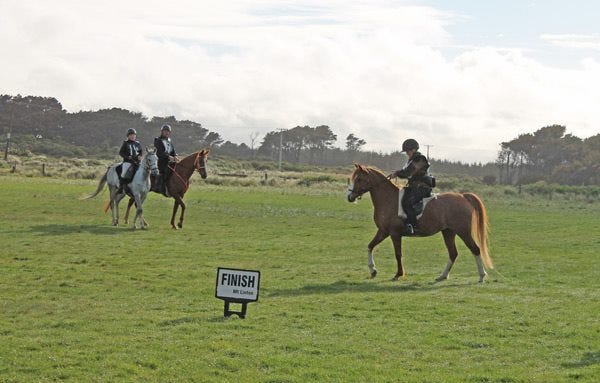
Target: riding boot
{"x":158,"y":183}
{"x":121,"y":183}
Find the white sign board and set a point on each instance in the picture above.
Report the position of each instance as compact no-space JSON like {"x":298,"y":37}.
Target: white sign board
{"x":237,"y":285}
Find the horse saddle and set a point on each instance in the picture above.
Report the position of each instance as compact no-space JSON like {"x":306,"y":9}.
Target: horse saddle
{"x":419,"y":207}
{"x":130,"y":172}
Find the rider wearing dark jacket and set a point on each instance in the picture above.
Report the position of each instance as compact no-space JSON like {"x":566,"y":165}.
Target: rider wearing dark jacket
{"x":419,"y":182}
{"x":165,"y":151}
{"x":131,"y":151}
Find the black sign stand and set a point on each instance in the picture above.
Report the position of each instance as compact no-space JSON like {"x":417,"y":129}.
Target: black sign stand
{"x":228,"y":313}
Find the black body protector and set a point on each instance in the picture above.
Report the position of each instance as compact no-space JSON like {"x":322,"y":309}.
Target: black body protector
{"x":131,"y":151}
{"x":419,"y":186}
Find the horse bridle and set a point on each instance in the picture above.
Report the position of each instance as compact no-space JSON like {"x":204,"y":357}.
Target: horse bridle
{"x":152,"y":168}
{"x":197,"y":163}
{"x":360,"y":192}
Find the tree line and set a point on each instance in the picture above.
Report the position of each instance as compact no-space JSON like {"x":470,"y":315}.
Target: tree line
{"x":42,"y":125}
{"x":550,"y":155}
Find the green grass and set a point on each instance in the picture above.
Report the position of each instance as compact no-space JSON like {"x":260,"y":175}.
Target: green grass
{"x":82,"y":301}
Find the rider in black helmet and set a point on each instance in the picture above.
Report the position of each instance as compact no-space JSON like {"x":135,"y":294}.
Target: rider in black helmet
{"x":131,"y":151}
{"x":165,"y":151}
{"x":419,"y":183}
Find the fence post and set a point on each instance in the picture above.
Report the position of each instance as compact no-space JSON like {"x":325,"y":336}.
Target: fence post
{"x":44,"y":169}
{"x":266,"y":176}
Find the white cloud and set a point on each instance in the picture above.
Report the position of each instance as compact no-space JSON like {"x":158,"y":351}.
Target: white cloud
{"x":574,"y":41}
{"x":374,"y":70}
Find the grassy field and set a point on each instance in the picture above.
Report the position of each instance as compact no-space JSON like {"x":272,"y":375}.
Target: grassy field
{"x":82,"y":301}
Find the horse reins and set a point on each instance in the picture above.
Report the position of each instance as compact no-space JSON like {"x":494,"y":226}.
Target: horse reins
{"x":196,"y":167}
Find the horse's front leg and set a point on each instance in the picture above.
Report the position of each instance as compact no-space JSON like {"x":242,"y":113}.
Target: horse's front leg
{"x":397,"y":240}
{"x":182,"y":204}
{"x":175,"y":206}
{"x":379,"y":236}
{"x":138,"y":211}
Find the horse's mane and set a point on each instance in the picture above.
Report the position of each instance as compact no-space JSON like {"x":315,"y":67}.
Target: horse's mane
{"x":371,"y":170}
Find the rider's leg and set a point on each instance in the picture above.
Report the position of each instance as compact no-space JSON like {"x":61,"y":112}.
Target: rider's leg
{"x":122,"y":181}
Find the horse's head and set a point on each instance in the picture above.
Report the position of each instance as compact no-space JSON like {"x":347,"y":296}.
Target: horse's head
{"x":200,"y":163}
{"x":151,"y":161}
{"x":360,"y":183}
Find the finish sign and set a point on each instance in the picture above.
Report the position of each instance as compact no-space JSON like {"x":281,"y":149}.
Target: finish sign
{"x":237,"y":286}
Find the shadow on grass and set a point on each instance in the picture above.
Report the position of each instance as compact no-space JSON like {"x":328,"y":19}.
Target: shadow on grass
{"x":340,"y":287}
{"x":61,"y":229}
{"x":588,"y":359}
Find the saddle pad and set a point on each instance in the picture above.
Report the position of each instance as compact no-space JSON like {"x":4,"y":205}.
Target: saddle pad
{"x":402,"y":213}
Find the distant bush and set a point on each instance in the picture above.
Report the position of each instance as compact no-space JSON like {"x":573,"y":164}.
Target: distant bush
{"x":309,"y":180}
{"x":489,"y":180}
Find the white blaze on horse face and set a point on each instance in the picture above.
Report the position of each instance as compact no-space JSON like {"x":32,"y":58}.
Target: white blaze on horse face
{"x":350,"y":189}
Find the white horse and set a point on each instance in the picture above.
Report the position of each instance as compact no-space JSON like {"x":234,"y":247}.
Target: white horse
{"x":139,"y":186}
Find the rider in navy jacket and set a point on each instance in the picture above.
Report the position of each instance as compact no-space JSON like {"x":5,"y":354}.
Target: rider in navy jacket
{"x":165,"y":151}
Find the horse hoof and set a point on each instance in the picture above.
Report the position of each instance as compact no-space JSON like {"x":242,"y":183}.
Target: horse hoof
{"x":395,"y":279}
{"x":373,"y":274}
{"x":180,"y":225}
{"x":441,"y":278}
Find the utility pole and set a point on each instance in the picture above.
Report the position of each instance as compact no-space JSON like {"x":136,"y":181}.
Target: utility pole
{"x":253,"y":137}
{"x":428,"y":146}
{"x":280,"y":146}
{"x":7,"y":146}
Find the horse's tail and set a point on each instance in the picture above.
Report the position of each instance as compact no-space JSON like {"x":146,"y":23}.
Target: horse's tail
{"x":480,"y":227}
{"x":100,"y":186}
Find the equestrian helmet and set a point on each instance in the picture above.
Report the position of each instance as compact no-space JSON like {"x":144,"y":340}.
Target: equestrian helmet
{"x":410,"y":144}
{"x":131,"y":131}
{"x":166,"y":127}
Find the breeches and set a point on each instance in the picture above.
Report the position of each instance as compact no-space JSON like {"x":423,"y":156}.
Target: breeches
{"x":124,"y":168}
{"x":411,"y":201}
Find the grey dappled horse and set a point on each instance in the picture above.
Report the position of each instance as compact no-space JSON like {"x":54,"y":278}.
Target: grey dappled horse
{"x":139,"y":186}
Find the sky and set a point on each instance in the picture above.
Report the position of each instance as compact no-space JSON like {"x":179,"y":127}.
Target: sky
{"x":461,"y":76}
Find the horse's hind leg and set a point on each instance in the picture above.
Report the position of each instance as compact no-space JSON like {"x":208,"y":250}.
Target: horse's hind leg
{"x":379,"y":236}
{"x":468,"y":240}
{"x":449,"y":240}
{"x":129,"y":204}
{"x":397,"y":240}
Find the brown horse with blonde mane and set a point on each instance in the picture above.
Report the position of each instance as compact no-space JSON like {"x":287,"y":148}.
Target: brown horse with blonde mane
{"x":179,"y":182}
{"x":453,"y":214}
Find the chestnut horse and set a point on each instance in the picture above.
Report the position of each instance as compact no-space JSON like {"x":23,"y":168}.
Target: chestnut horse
{"x":179,"y":182}
{"x":453,"y":214}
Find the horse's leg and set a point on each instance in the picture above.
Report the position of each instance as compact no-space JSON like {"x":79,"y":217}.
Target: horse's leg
{"x":138,"y":211}
{"x":449,"y":240}
{"x":468,"y":240}
{"x":175,"y":206}
{"x":117,"y":199}
{"x":131,"y":202}
{"x":182,"y":204}
{"x":397,"y":240}
{"x":112,"y":203}
{"x":379,"y":236}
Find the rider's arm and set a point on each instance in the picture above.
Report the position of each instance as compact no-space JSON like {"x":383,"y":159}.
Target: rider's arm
{"x":124,"y":151}
{"x":160,"y":149}
{"x":412,"y":167}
